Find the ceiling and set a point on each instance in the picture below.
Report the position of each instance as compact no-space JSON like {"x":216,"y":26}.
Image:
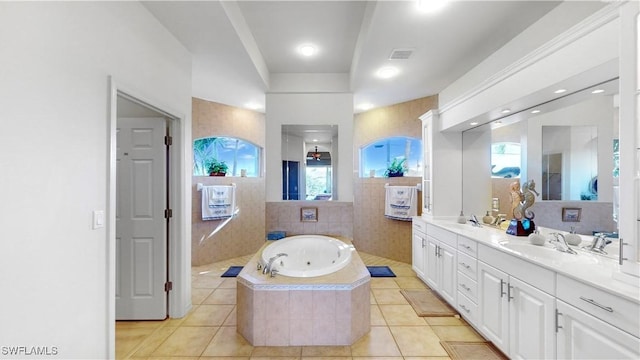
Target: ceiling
{"x":240,"y":47}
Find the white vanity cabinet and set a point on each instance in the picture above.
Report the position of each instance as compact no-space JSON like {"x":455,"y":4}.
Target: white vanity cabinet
{"x":418,"y":246}
{"x":441,"y":266}
{"x":467,"y":268}
{"x":515,"y":315}
{"x":594,"y":324}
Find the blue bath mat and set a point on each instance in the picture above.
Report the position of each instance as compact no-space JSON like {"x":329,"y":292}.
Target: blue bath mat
{"x":233,"y":271}
{"x":380,"y":271}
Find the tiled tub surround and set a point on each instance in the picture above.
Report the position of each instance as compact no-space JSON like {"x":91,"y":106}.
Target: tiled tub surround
{"x":326,"y":310}
{"x":335,"y":218}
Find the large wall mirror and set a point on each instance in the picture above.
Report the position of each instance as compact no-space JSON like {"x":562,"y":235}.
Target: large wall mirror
{"x":309,"y":162}
{"x":566,"y":146}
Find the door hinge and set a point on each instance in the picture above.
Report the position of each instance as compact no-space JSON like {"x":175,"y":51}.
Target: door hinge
{"x":168,"y":286}
{"x":168,"y":213}
{"x":168,"y":140}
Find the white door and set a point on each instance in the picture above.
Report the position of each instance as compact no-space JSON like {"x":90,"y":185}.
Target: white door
{"x":417,"y":256}
{"x":431,"y":268}
{"x":141,"y":227}
{"x":448,"y":271}
{"x":531,"y":322}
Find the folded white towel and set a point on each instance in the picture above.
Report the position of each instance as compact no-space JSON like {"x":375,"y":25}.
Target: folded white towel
{"x":218,"y":202}
{"x":401,"y":202}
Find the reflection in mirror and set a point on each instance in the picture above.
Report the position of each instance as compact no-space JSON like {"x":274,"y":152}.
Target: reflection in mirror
{"x":569,"y":163}
{"x":569,"y":141}
{"x":308,"y":167}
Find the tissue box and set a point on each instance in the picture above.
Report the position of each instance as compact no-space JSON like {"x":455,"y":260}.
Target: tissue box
{"x":276,"y":235}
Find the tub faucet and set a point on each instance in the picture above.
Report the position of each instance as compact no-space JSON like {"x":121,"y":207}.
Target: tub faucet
{"x":267,"y":268}
{"x":560,"y":243}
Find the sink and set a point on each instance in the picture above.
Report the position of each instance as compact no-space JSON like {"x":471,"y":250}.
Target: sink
{"x":547,"y":253}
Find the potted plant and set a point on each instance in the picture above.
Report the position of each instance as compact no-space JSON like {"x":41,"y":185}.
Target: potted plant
{"x":396,"y":169}
{"x":217,"y":168}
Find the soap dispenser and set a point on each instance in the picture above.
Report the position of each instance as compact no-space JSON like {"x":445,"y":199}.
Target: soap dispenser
{"x":461,"y":218}
{"x":487,"y":218}
{"x":536,"y":238}
{"x":572,"y":238}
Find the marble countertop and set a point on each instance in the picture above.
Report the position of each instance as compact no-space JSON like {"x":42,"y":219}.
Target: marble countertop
{"x":591,"y":268}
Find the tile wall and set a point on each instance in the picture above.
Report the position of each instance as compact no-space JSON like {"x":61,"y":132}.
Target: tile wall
{"x":246,"y":232}
{"x":334,"y":218}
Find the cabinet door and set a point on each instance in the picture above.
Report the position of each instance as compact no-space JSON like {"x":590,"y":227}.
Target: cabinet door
{"x":582,"y":336}
{"x":448,"y":270}
{"x":431,"y":267}
{"x":493,"y":305}
{"x":418,"y":247}
{"x":531,"y":322}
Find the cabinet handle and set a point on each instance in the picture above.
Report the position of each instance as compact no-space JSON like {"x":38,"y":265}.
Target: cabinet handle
{"x":509,"y":297}
{"x":439,"y":251}
{"x":466,"y":246}
{"x":465,"y":265}
{"x":423,"y":243}
{"x":464,"y":308}
{"x":502,"y":293}
{"x":593,"y":302}
{"x":465,"y":287}
{"x":558,"y":314}
{"x":436,"y":249}
{"x":621,"y":257}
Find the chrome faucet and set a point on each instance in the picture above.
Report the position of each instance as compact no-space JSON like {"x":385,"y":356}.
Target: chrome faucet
{"x":268,"y":267}
{"x":599,"y":242}
{"x":474,"y":221}
{"x":500,"y":218}
{"x":560,"y":243}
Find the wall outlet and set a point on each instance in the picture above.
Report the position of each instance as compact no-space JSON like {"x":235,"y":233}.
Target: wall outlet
{"x":98,"y":219}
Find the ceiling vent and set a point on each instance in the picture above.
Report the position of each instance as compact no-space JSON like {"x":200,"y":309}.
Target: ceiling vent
{"x":400,"y":54}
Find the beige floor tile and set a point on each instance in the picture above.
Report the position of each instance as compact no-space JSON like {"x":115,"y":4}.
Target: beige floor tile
{"x":129,"y":337}
{"x":383,"y":283}
{"x":228,"y":342}
{"x":206,"y":282}
{"x":277,"y":351}
{"x":401,"y":315}
{"x":417,"y":341}
{"x":326,"y":351}
{"x":427,"y":358}
{"x":403,"y":270}
{"x":275,"y":358}
{"x":327,"y":357}
{"x":457,"y":333}
{"x":376,"y":316}
{"x":378,"y":358}
{"x":151,"y":343}
{"x":378,"y":342}
{"x":186,"y":341}
{"x":445,"y":320}
{"x":410,"y":283}
{"x":221,"y":296}
{"x":389,"y":296}
{"x":173,"y":358}
{"x":208,"y":315}
{"x":372,"y":298}
{"x":199,"y":295}
{"x":229,"y":283}
{"x":223,"y":358}
{"x":232,"y":319}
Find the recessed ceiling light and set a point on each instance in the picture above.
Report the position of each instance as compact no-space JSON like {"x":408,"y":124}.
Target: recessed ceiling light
{"x":315,"y":140}
{"x":535,"y":111}
{"x":307,"y":50}
{"x":506,"y":111}
{"x":253,"y":106}
{"x":387,"y":72}
{"x":473,"y":123}
{"x":560,"y":91}
{"x":597,"y":91}
{"x":429,"y":6}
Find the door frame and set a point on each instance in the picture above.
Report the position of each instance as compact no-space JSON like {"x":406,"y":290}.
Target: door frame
{"x":179,"y":250}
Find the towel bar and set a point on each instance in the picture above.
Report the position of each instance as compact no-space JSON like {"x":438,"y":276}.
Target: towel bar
{"x":417,"y":186}
{"x":200,"y":185}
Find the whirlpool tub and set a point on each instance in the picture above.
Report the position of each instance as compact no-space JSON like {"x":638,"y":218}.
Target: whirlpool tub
{"x":307,"y":255}
{"x":319,"y":295}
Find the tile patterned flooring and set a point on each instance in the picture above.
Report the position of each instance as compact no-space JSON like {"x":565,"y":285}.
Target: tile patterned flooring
{"x":209,"y":330}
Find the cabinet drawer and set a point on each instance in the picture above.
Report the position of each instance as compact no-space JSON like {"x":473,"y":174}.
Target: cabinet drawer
{"x":443,"y":235}
{"x":468,"y":266}
{"x":468,"y":287}
{"x":467,"y":246}
{"x":419,"y":226}
{"x":467,"y":308}
{"x":612,"y":309}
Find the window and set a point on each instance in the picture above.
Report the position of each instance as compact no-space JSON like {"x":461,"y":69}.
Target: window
{"x":238,"y":154}
{"x":505,"y":160}
{"x":377,"y":156}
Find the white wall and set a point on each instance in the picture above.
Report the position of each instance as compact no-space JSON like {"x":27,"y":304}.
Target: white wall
{"x":54,"y":98}
{"x":309,"y":109}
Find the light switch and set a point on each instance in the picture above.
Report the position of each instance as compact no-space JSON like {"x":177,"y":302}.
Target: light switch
{"x":98,"y":219}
